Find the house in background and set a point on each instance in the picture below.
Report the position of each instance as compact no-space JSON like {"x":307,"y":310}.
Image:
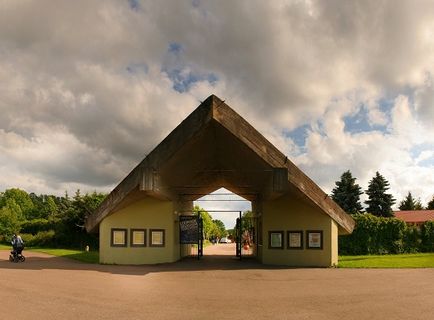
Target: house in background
{"x":141,"y":221}
{"x":415,"y":217}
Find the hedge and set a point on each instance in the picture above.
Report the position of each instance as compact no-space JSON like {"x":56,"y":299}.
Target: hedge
{"x":379,"y":235}
{"x":41,"y":239}
{"x":36,"y":225}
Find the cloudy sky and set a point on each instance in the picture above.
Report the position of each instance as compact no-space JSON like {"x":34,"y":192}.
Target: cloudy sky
{"x":88,"y":88}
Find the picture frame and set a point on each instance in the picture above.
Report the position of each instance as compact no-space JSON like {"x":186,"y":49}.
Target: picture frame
{"x":314,"y":239}
{"x":275,"y":239}
{"x":294,"y":239}
{"x":138,"y":237}
{"x":118,"y":237}
{"x":157,"y":237}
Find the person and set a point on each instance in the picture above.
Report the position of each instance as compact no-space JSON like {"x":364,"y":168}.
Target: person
{"x":17,"y":244}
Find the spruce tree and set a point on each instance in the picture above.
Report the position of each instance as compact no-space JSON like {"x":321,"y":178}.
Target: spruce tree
{"x":430,"y":205}
{"x":347,"y":193}
{"x":379,"y":202}
{"x":408,"y":203}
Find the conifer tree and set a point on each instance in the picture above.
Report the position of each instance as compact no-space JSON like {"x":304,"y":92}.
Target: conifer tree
{"x":379,"y":202}
{"x":430,"y":205}
{"x":347,"y":193}
{"x":410,"y":203}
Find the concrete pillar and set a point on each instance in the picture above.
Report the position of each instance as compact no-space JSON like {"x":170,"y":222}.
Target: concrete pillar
{"x":257,"y":213}
{"x":181,"y":207}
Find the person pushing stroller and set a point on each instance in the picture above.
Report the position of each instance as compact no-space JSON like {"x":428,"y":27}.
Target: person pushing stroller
{"x":18,"y":247}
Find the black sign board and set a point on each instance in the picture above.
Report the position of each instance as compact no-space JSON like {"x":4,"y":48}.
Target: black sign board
{"x":189,"y":229}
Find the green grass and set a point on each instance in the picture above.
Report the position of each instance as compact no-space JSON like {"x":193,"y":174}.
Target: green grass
{"x":83,"y":256}
{"x":414,"y":260}
{"x":5,"y":247}
{"x":88,"y":257}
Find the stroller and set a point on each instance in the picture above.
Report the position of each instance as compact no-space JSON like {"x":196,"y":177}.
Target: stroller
{"x":16,"y":255}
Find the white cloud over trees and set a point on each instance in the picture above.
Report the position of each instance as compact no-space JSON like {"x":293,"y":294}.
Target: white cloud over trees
{"x":88,"y":87}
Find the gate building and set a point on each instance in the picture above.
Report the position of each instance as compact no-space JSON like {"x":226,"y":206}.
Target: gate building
{"x":145,"y":219}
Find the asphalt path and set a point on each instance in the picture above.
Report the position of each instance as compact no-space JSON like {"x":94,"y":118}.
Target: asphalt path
{"x":217,"y":287}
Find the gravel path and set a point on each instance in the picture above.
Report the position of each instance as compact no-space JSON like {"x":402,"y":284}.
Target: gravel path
{"x":217,"y":287}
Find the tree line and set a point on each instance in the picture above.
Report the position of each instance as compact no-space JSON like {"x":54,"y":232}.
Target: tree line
{"x":48,"y":220}
{"x":212,"y":228}
{"x":347,"y":195}
{"x":376,"y":231}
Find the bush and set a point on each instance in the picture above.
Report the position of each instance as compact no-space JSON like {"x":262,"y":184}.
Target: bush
{"x":427,"y":236}
{"x":378,"y":235}
{"x":41,"y":239}
{"x":36,"y":225}
{"x":412,"y":240}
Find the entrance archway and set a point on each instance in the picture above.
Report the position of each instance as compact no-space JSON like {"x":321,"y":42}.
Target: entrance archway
{"x":242,"y":239}
{"x":215,"y":147}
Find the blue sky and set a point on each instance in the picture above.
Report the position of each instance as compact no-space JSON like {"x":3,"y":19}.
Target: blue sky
{"x":83,"y":103}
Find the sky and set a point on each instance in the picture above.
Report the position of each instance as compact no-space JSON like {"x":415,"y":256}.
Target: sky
{"x":88,"y":88}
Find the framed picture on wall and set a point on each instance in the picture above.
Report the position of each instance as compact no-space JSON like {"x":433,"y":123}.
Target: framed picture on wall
{"x":156,"y":238}
{"x":314,"y":239}
{"x":275,"y":239}
{"x":295,"y":239}
{"x":118,"y":237}
{"x":138,"y":237}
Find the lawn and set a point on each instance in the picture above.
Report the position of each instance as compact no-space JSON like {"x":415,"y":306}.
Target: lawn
{"x":415,"y":260}
{"x":88,"y":257}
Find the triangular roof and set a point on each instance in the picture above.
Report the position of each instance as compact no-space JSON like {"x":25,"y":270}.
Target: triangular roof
{"x":215,"y":147}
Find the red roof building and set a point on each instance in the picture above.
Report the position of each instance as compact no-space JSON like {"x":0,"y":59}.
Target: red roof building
{"x":416,"y":217}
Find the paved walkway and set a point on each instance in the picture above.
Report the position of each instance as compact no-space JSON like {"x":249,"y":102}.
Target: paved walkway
{"x":46,"y":287}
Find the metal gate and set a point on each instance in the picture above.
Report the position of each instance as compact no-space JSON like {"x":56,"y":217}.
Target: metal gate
{"x":238,"y":232}
{"x":191,"y":232}
{"x":245,"y":236}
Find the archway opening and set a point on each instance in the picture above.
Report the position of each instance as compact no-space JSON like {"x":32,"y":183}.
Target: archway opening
{"x":229,"y":227}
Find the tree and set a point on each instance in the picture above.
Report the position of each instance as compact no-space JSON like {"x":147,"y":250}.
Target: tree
{"x":45,"y":206}
{"x":9,"y":222}
{"x":430,"y":205}
{"x":347,"y":193}
{"x":409,"y":203}
{"x":21,"y":198}
{"x":379,"y":202}
{"x":207,"y":223}
{"x":71,"y":218}
{"x":219,"y":229}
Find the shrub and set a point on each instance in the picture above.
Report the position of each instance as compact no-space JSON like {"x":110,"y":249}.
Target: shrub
{"x":36,"y":225}
{"x":412,"y":239}
{"x":378,"y":235}
{"x":427,"y":236}
{"x":41,"y":239}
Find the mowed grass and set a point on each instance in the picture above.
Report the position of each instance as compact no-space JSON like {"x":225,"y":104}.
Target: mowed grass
{"x":83,"y":256}
{"x":5,"y":247}
{"x":416,"y":260}
{"x":88,"y":257}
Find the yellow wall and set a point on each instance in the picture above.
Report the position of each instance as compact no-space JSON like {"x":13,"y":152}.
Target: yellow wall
{"x":283,"y":214}
{"x":148,"y":213}
{"x":290,"y":213}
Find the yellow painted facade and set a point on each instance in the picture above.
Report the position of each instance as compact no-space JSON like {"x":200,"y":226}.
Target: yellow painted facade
{"x":286,"y":213}
{"x":291,"y":214}
{"x":148,"y":213}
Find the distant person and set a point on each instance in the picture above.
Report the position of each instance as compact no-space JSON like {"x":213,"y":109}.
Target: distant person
{"x":17,"y":244}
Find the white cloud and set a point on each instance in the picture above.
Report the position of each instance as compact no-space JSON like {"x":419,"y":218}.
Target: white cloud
{"x":87,"y":88}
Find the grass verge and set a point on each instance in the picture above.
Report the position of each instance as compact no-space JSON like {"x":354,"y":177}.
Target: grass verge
{"x":83,"y":256}
{"x":413,"y":260}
